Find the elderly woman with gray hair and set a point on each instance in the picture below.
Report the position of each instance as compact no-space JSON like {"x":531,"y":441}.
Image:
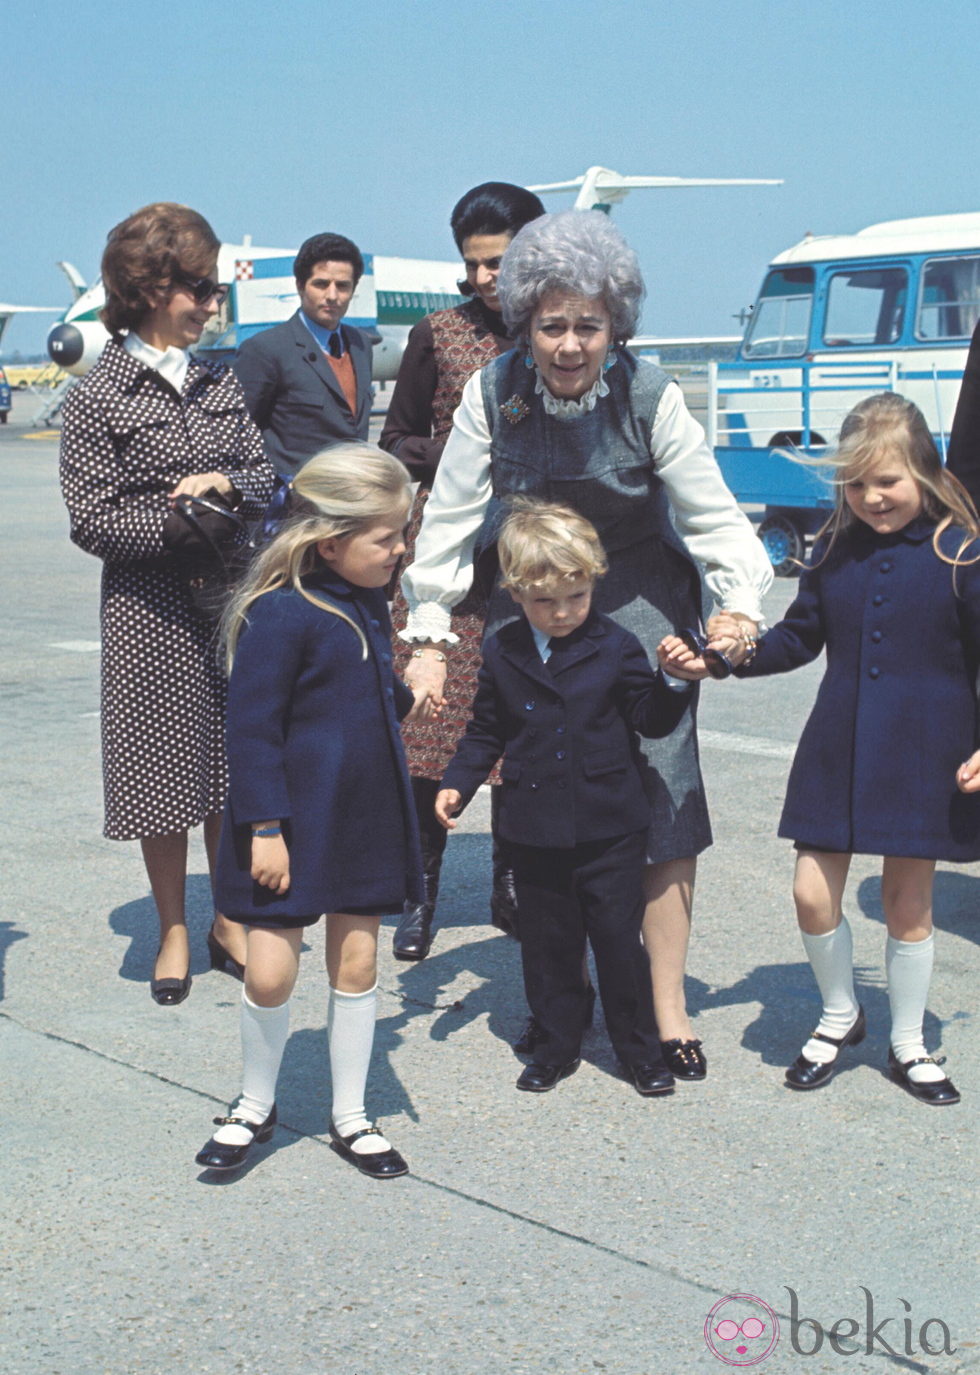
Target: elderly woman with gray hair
{"x":570,"y":415}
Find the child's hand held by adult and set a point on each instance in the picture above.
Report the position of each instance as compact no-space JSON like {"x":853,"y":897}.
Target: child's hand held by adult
{"x":676,"y":659}
{"x":968,"y":774}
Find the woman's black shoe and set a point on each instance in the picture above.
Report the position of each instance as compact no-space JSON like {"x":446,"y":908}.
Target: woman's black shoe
{"x":222,"y":959}
{"x":935,"y":1092}
{"x":806,"y":1074}
{"x":218,"y":1155}
{"x":170,"y":992}
{"x":684,"y":1059}
{"x":378,"y":1164}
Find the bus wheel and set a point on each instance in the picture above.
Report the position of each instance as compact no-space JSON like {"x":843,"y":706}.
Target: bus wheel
{"x":785,"y":544}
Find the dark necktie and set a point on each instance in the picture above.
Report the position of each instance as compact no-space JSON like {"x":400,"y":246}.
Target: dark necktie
{"x":335,"y":348}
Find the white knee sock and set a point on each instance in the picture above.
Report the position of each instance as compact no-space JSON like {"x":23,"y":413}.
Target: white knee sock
{"x":909,"y":968}
{"x":264,"y":1032}
{"x":350,"y":1033}
{"x":831,"y":958}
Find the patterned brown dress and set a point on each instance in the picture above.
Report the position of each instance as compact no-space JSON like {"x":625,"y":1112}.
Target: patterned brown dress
{"x":443,"y":352}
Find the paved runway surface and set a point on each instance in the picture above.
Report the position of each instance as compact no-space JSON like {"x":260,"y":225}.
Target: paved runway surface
{"x":586,"y":1230}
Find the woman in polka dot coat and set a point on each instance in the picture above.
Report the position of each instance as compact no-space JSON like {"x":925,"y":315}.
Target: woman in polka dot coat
{"x":149,"y":423}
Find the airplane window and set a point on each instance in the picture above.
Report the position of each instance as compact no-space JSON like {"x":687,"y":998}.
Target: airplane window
{"x":865,"y":307}
{"x":949,"y":299}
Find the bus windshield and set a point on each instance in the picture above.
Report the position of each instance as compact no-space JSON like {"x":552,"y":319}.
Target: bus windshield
{"x":780,"y":325}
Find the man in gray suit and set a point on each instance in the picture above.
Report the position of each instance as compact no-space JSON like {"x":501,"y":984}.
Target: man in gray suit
{"x":307,"y":382}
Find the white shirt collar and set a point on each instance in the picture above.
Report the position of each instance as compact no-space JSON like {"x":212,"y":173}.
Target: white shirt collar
{"x":567,"y":410}
{"x":171,"y":363}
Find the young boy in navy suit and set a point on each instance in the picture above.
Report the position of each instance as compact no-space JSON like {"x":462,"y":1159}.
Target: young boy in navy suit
{"x":560,"y":696}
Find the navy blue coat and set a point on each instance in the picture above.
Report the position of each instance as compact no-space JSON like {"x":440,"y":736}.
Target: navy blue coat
{"x":896,"y":712}
{"x":566,"y":730}
{"x":293,"y":395}
{"x":313,"y":738}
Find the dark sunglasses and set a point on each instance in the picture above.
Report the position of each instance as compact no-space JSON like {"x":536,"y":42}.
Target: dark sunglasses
{"x":202,"y":288}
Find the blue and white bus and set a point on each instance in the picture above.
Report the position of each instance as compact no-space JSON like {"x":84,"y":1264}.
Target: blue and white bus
{"x":838,"y":318}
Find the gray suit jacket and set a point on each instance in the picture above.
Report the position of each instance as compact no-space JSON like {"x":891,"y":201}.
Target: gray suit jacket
{"x":293,"y":396}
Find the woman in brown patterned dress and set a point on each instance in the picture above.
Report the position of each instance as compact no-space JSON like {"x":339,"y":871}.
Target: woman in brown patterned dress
{"x":151,"y":422}
{"x":442,"y":353}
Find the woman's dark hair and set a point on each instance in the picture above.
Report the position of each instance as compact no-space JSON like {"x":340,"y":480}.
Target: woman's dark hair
{"x":326,"y":248}
{"x":145,"y":253}
{"x":495,"y":207}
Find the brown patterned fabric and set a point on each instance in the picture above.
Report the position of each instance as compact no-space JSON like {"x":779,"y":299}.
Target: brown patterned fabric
{"x":462,"y":343}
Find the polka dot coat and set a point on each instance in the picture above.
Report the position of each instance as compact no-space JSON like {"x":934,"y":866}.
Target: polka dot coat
{"x":128,"y":438}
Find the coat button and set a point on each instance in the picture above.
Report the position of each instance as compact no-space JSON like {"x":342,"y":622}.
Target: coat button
{"x":559,"y":754}
{"x":887,"y":566}
{"x":874,"y":672}
{"x":560,"y":730}
{"x":535,"y":787}
{"x":876,"y":637}
{"x":877,"y":599}
{"x":376,"y":624}
{"x":530,"y":704}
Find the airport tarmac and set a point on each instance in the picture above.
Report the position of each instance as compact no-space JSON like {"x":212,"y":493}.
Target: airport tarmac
{"x":585,"y":1230}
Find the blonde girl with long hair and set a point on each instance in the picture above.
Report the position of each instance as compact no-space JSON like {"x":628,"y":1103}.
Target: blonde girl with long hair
{"x":888,"y":762}
{"x":319,"y":815}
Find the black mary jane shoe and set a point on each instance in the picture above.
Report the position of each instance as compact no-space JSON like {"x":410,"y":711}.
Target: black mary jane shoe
{"x":684,"y":1059}
{"x":387,"y":1164}
{"x":806,"y":1074}
{"x":219,"y":1155}
{"x":540,"y":1078}
{"x":223,"y":959}
{"x":533,"y":1033}
{"x":170,"y":992}
{"x":650,"y":1080}
{"x":936,"y":1092}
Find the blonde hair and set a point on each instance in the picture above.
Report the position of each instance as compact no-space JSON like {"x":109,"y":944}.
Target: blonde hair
{"x":337,"y":493}
{"x":541,"y":544}
{"x":889,"y":424}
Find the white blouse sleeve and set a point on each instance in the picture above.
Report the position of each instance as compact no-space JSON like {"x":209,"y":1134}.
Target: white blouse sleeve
{"x":442,"y":571}
{"x":715,"y":532}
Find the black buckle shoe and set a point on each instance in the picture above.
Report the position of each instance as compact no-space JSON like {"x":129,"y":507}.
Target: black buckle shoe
{"x":936,"y":1092}
{"x":377,"y":1164}
{"x":806,"y":1074}
{"x":684,"y":1059}
{"x":219,"y":1155}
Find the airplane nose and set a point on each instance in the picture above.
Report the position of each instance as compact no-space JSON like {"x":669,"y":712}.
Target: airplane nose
{"x":65,"y":345}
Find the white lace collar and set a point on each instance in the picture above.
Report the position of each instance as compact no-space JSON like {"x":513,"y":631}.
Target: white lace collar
{"x":568,"y":410}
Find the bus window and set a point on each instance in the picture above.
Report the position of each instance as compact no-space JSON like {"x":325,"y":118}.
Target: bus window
{"x":780,"y":324}
{"x":865,"y":307}
{"x":949,"y":300}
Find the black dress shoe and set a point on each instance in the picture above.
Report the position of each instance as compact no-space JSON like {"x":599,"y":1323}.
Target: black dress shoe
{"x":218,"y":1155}
{"x":170,"y":992}
{"x":649,"y":1080}
{"x":533,"y":1033}
{"x":222,"y":959}
{"x":684,"y":1059}
{"x":378,"y":1164}
{"x":540,"y":1078}
{"x":935,"y":1092}
{"x":413,"y":934}
{"x":806,"y":1074}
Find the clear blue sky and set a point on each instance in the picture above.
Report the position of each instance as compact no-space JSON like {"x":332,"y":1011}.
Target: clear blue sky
{"x":373,"y":118}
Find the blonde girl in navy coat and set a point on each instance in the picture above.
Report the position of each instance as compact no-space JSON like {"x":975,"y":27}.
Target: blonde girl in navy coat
{"x":892,"y":593}
{"x":319,"y":815}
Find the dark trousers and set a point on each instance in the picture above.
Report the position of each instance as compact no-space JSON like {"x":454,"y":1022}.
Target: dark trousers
{"x":593,"y":892}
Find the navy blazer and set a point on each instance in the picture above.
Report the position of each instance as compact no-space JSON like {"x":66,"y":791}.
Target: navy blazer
{"x":293,"y":395}
{"x":313,"y":739}
{"x":566,"y":732}
{"x":896,"y":712}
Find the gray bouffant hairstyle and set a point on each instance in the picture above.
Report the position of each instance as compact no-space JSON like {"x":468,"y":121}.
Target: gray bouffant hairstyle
{"x":580,"y":251}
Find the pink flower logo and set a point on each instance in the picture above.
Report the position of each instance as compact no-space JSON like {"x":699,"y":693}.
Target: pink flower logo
{"x":741,"y":1330}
